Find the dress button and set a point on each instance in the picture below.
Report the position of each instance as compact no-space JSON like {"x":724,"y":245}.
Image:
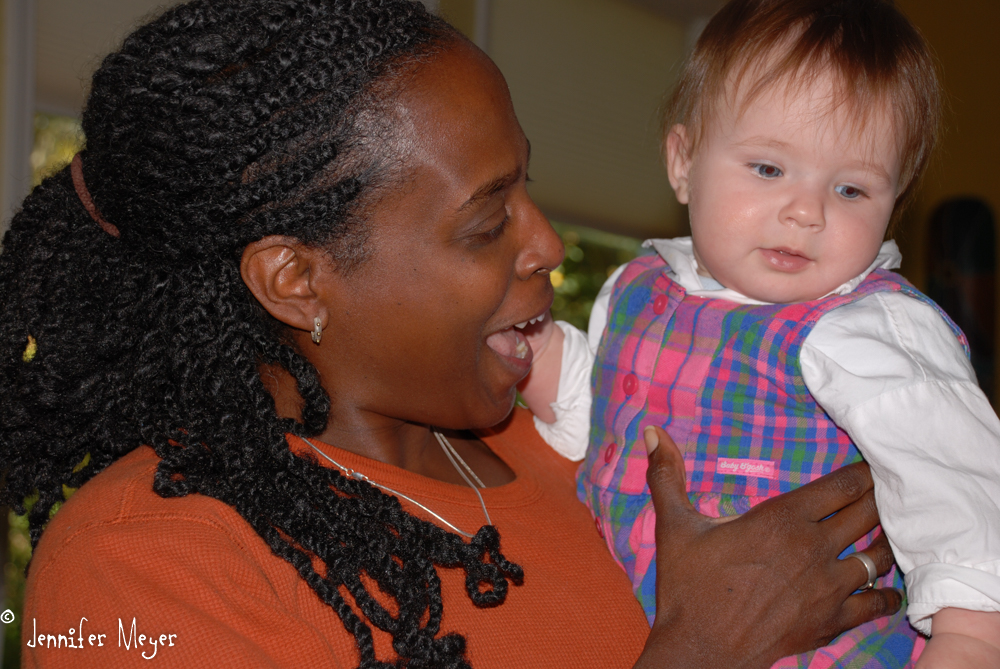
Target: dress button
{"x":660,"y":304}
{"x":600,"y":530}
{"x":630,"y":384}
{"x":609,"y":452}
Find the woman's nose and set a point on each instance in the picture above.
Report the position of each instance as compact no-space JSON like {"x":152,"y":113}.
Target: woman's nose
{"x":542,"y":249}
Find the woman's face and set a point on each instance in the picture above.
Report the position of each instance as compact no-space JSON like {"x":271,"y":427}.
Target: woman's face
{"x":422,"y":331}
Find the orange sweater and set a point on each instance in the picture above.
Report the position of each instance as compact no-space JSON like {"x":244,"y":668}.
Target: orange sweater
{"x":206,"y":591}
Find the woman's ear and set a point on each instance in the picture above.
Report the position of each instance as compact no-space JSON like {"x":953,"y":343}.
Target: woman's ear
{"x":282,"y":274}
{"x":677,"y":148}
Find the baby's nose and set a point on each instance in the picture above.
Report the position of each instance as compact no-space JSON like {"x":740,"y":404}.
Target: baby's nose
{"x":804,"y":209}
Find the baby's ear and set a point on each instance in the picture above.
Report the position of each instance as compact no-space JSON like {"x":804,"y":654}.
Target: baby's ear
{"x":677,"y":151}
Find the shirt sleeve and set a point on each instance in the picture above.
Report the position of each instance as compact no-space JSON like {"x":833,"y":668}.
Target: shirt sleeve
{"x":599,"y":312}
{"x":570,"y":433}
{"x":891,"y":373}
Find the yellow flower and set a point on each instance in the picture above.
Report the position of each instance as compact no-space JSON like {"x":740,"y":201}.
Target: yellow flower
{"x":30,"y":351}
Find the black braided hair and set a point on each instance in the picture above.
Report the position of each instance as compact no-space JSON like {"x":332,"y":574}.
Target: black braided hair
{"x":219,"y":123}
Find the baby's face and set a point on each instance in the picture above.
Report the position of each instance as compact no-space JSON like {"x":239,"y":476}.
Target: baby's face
{"x":787,"y":200}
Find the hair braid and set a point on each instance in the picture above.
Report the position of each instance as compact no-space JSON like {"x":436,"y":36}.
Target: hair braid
{"x":219,"y":123}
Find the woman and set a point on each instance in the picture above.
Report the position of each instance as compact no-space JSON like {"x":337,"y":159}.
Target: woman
{"x":289,"y":263}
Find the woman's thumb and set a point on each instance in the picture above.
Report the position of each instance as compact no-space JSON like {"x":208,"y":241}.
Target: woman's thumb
{"x":665,"y":475}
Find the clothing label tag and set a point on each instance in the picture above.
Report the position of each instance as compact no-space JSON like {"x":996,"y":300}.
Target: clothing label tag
{"x":760,"y":468}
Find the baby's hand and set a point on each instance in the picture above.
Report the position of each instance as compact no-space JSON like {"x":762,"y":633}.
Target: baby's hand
{"x":962,"y":640}
{"x":541,"y":387}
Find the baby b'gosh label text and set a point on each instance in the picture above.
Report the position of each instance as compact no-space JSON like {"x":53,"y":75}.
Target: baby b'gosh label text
{"x":77,"y":639}
{"x":744,"y":467}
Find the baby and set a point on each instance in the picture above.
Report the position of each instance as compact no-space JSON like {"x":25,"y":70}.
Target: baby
{"x":774,"y":345}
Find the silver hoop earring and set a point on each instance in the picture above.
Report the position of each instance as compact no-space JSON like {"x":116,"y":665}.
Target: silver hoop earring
{"x":317,"y":332}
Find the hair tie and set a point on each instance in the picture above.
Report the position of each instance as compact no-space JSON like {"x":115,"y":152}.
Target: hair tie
{"x":76,"y":170}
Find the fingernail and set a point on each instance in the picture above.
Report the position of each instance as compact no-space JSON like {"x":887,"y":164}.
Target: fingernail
{"x":651,"y":438}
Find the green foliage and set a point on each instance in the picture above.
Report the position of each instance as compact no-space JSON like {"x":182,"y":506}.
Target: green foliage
{"x":19,"y":552}
{"x":591,"y":257}
{"x":18,"y":555}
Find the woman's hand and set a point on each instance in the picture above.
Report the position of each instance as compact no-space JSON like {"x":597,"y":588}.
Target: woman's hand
{"x":746,"y":592}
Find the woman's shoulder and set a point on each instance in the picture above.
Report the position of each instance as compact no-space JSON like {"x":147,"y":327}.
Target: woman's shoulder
{"x":116,"y":525}
{"x":120,"y":501}
{"x":117,"y":552}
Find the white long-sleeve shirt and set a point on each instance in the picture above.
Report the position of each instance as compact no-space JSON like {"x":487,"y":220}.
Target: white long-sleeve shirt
{"x":890,"y":372}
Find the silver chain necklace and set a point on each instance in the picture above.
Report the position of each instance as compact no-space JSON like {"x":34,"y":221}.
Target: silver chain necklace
{"x":453,"y":457}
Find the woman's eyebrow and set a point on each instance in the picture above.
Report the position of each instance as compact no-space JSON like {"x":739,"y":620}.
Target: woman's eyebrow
{"x":490,"y":189}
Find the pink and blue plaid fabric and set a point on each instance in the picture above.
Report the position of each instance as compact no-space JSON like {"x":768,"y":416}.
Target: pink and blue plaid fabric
{"x":724,"y":380}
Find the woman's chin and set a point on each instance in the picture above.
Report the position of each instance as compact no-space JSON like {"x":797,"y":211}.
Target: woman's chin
{"x":490,"y":411}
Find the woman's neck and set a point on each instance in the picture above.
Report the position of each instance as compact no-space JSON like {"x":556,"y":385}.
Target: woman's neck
{"x":404,"y":444}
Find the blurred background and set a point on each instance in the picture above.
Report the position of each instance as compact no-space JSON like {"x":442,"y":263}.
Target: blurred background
{"x":587,"y":78}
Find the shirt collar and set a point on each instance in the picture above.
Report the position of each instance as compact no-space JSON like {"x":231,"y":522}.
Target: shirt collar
{"x":679,"y":254}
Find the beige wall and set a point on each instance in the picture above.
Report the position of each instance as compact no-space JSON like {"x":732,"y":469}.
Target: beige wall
{"x":461,"y":14}
{"x":73,"y":36}
{"x":587,"y":78}
{"x":3,"y":84}
{"x":16,"y":103}
{"x":964,"y":37}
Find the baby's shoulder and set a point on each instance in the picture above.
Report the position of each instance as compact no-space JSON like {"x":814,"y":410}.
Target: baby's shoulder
{"x":885,"y":313}
{"x":891,"y":331}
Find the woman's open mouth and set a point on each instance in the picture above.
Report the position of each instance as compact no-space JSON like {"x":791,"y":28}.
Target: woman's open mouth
{"x":512,"y":345}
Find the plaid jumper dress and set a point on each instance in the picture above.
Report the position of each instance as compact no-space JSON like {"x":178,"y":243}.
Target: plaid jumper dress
{"x":724,"y":380}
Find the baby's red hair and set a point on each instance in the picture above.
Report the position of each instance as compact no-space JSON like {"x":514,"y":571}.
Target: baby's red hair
{"x":879,"y":60}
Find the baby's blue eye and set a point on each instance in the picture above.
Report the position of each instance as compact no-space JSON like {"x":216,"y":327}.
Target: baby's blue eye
{"x":850,"y":192}
{"x":766,"y":171}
